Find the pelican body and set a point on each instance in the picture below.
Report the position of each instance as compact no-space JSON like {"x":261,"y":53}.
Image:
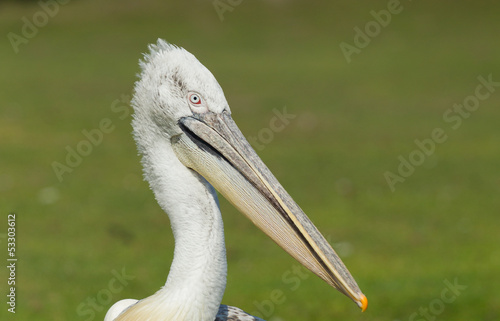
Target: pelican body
{"x":190,"y":145}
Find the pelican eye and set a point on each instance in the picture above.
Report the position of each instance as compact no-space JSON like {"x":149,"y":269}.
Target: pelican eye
{"x":195,"y":99}
{"x":197,"y":103}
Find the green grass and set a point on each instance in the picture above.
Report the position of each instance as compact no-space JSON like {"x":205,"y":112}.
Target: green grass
{"x":352,"y":122}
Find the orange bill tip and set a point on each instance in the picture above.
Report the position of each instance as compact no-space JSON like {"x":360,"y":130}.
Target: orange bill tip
{"x":363,"y":303}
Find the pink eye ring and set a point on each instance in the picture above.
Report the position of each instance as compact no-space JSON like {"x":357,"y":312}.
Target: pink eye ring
{"x":196,"y":103}
{"x":195,"y":99}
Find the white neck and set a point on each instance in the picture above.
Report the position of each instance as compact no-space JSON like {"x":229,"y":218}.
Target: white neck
{"x":197,"y":278}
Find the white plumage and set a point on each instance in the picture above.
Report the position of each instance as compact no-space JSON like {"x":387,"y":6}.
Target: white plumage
{"x":184,"y":131}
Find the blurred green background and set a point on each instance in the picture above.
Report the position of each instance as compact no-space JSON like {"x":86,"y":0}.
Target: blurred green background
{"x":353,"y":123}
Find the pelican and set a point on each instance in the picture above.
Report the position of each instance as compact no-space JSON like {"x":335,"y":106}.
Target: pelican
{"x":190,"y":146}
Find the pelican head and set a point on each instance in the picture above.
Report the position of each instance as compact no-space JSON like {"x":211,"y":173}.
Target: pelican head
{"x":182,"y":119}
{"x":174,"y":86}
